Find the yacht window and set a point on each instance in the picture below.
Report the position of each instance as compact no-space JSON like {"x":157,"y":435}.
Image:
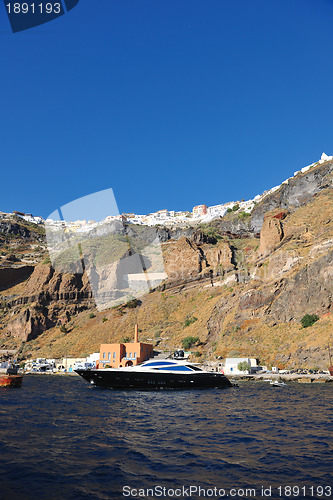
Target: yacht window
{"x":160,"y":363}
{"x":177,"y":368}
{"x":195,"y":368}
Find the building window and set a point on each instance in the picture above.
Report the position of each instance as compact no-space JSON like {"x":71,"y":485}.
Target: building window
{"x":114,"y":355}
{"x":109,"y":355}
{"x":130,"y":355}
{"x":135,"y":355}
{"x":104,"y":353}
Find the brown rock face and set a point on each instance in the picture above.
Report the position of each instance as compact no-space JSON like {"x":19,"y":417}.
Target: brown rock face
{"x":183,"y":259}
{"x":50,"y":298}
{"x":28,"y":323}
{"x":219,"y":258}
{"x":39,"y":278}
{"x":271,"y":234}
{"x":309,"y":291}
{"x":45,"y":279}
{"x":254,"y":299}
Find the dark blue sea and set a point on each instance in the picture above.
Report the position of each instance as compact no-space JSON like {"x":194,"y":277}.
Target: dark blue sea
{"x":64,"y":439}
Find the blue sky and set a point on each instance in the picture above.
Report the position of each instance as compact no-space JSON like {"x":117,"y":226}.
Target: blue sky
{"x":171,"y":103}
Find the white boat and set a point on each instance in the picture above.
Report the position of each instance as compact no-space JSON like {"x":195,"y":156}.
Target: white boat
{"x":276,"y":383}
{"x":158,"y":374}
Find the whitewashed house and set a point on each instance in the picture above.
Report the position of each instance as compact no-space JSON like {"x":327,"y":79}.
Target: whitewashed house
{"x":231,"y":366}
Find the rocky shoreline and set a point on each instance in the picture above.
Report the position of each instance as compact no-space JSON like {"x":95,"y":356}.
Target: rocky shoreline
{"x":295,"y":377}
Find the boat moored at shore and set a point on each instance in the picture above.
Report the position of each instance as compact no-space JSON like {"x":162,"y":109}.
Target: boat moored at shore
{"x":277,"y":383}
{"x":10,"y":380}
{"x":9,"y":376}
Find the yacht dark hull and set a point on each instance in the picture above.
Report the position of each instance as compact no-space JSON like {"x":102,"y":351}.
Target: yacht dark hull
{"x":117,"y":379}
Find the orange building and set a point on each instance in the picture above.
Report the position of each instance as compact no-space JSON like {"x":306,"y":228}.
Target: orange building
{"x":200,"y":210}
{"x":127,"y":354}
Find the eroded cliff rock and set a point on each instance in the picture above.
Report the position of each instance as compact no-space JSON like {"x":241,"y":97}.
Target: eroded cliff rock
{"x":48,"y":298}
{"x":271,"y":232}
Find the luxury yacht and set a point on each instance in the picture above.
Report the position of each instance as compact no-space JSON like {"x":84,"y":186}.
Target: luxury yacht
{"x":158,"y":374}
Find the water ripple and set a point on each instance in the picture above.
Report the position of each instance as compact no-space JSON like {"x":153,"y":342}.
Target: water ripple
{"x":61,"y":438}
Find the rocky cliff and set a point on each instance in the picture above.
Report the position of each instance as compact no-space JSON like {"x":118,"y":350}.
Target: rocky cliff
{"x":241,"y":284}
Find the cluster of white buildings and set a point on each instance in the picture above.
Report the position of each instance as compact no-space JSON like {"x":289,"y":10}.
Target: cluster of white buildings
{"x":66,"y":365}
{"x":171,"y":218}
{"x":323,"y":159}
{"x":22,"y":215}
{"x":199,"y":214}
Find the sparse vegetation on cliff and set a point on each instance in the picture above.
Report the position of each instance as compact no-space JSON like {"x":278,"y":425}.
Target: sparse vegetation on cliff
{"x":188,"y":342}
{"x":223,"y":288}
{"x":189,"y":321}
{"x":309,"y":320}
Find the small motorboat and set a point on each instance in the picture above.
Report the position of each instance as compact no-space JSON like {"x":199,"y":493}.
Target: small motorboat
{"x":277,"y":383}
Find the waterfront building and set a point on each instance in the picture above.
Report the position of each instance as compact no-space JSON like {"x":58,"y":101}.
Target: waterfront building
{"x":68,"y":364}
{"x":125,"y":354}
{"x":231,"y":366}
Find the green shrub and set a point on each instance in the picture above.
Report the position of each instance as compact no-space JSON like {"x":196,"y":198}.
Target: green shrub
{"x":244,"y":366}
{"x":132,"y":303}
{"x":309,"y":320}
{"x":243,"y":215}
{"x":63,"y":329}
{"x":235,"y":207}
{"x":104,"y":319}
{"x":190,"y":320}
{"x":187,"y":342}
{"x":92,"y":315}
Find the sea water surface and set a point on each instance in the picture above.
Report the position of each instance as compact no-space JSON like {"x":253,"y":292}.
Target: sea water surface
{"x":61,"y":438}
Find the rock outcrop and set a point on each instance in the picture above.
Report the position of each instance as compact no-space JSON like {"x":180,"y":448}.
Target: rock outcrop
{"x":49,"y":298}
{"x":297,"y":192}
{"x":271,"y":232}
{"x":183,"y":260}
{"x":309,"y":291}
